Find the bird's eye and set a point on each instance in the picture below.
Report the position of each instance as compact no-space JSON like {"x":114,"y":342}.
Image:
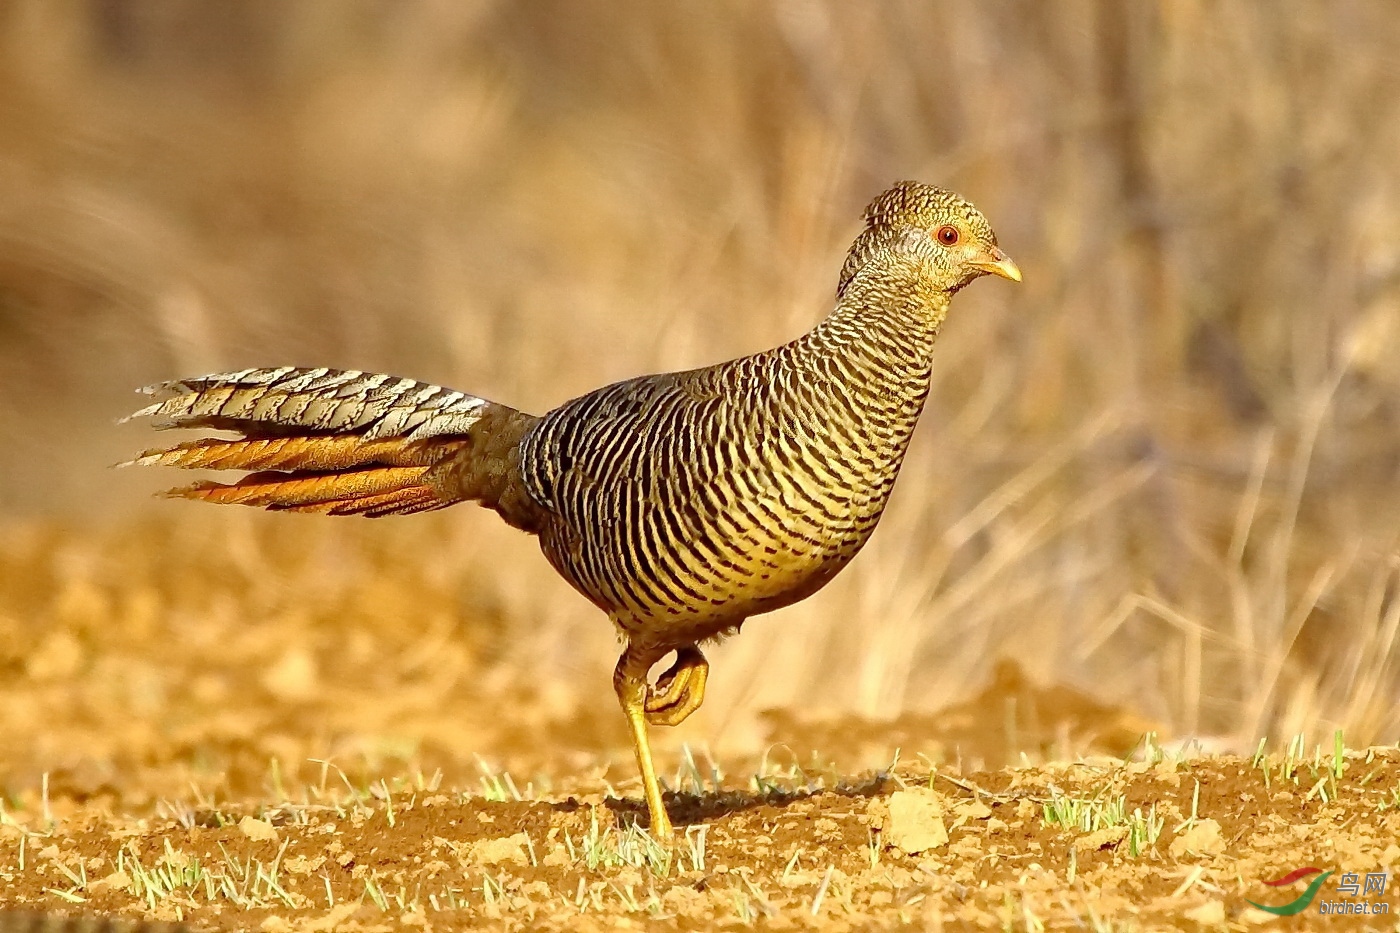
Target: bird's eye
{"x":948,"y":235}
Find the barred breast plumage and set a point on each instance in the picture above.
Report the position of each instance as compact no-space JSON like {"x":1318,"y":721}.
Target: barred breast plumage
{"x":684,"y":503}
{"x":681,"y":503}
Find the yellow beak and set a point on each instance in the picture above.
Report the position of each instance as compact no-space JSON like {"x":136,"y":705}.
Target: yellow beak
{"x":998,"y":263}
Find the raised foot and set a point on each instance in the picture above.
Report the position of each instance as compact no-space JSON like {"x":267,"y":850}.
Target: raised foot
{"x":680,"y":691}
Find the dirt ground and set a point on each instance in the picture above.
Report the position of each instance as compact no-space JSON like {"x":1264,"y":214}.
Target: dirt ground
{"x":188,"y":735}
{"x":1161,"y":843}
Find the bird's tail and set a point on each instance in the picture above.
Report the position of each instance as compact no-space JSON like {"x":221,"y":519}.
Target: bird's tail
{"x":338,"y":442}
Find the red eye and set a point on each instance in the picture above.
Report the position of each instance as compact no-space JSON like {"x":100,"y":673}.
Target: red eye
{"x":948,"y":235}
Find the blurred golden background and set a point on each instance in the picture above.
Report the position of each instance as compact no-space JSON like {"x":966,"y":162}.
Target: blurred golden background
{"x":1162,"y":471}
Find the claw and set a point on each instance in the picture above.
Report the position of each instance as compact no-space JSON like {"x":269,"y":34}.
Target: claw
{"x":669,"y":689}
{"x":680,"y":691}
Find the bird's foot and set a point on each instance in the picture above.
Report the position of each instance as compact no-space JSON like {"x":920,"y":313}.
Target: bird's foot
{"x":680,"y":691}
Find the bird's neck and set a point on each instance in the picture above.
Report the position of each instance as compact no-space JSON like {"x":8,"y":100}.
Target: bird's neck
{"x":877,"y":344}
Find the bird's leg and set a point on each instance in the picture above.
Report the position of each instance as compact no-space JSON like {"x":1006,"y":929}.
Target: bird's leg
{"x":630,"y":682}
{"x":680,"y":691}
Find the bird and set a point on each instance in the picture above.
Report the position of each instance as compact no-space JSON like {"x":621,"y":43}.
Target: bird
{"x":680,"y":504}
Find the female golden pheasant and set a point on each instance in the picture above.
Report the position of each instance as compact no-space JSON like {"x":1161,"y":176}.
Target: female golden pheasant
{"x":680,"y":504}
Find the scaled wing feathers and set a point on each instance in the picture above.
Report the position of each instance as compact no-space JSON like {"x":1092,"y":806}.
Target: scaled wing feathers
{"x":288,"y":400}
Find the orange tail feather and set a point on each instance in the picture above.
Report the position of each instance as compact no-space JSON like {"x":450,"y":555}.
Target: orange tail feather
{"x":324,"y":452}
{"x":320,"y":492}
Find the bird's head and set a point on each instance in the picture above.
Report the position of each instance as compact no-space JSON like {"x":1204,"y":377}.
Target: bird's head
{"x":948,"y":235}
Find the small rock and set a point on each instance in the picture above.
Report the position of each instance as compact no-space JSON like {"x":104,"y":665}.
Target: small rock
{"x":116,"y":881}
{"x":301,"y":865}
{"x":257,"y":830}
{"x":1201,"y":839}
{"x":912,"y":820}
{"x":971,"y":810}
{"x":1101,"y":838}
{"x":505,"y":849}
{"x":1166,"y":772}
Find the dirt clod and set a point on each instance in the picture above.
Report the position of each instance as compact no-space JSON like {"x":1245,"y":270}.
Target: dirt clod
{"x":1202,"y":838}
{"x":1100,"y":839}
{"x":911,"y":821}
{"x":496,"y":851}
{"x":257,"y":830}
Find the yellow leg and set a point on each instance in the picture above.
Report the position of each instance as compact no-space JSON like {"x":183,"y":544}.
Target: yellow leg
{"x":630,"y":682}
{"x":680,"y":691}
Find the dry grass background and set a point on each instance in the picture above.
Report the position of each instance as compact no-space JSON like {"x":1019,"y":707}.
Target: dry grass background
{"x":1164,"y":469}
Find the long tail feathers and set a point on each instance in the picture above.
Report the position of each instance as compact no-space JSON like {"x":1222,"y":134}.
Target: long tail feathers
{"x":313,"y":452}
{"x":372,"y":492}
{"x":317,"y":440}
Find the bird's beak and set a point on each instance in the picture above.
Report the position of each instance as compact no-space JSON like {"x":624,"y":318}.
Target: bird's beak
{"x":997,"y":263}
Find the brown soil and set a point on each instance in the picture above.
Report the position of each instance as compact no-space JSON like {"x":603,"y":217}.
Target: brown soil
{"x":190,"y":738}
{"x":797,"y":854}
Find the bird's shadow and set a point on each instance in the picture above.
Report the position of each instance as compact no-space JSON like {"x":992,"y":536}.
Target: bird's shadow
{"x":691,"y":809}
